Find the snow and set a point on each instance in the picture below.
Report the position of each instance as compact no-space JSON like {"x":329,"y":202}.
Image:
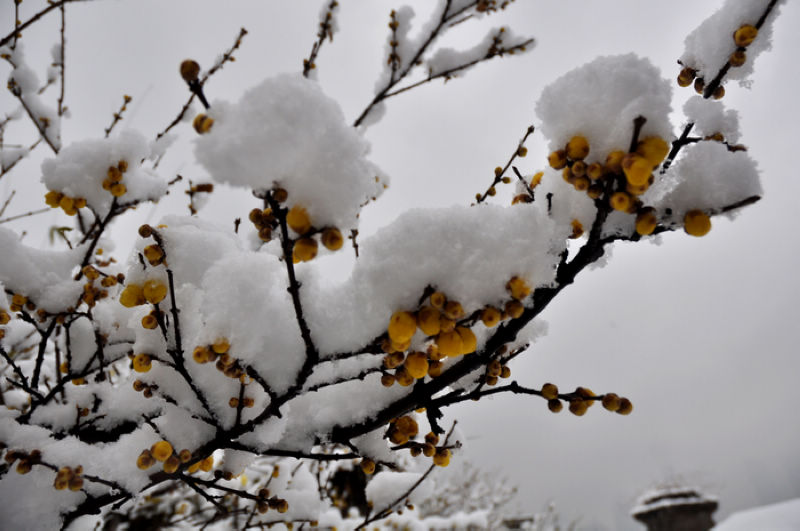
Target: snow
{"x":600,"y":100}
{"x":710,"y":117}
{"x":42,"y":276}
{"x":80,"y":169}
{"x":286,"y":132}
{"x":783,"y":516}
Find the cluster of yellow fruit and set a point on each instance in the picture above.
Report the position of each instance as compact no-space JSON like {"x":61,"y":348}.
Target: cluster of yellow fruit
{"x":494,"y":370}
{"x":162,"y":452}
{"x":26,"y":459}
{"x":152,"y":291}
{"x":402,"y":431}
{"x":69,"y":478}
{"x":439,"y":320}
{"x":264,"y":222}
{"x":218,"y":352}
{"x":265,"y":502}
{"x":92,"y":293}
{"x":146,"y":390}
{"x":632,"y":174}
{"x":742,"y":38}
{"x":20,"y":302}
{"x":305,"y":247}
{"x":247,"y":401}
{"x":582,"y":399}
{"x":69,"y":205}
{"x":113,"y":181}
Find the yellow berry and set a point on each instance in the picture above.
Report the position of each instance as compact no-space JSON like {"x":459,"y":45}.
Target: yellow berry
{"x":145,"y":460}
{"x":685,"y":77}
{"x":621,"y":201}
{"x":393,"y":360}
{"x":490,"y":316}
{"x":450,"y":343}
{"x":142,"y":363}
{"x":154,"y":291}
{"x":549,"y":391}
{"x":719,"y":93}
{"x":505,"y":372}
{"x":737,"y":58}
{"x":172,"y":464}
{"x":118,"y":189}
{"x":577,"y":229}
{"x":221,"y":345}
{"x":555,"y":405}
{"x":66,"y":203}
{"x":4,"y":317}
{"x":637,"y":168}
{"x":428,"y":320}
{"x":207,"y":464}
{"x":402,"y":326}
{"x":442,"y":457}
{"x":202,"y":123}
{"x":189,"y":70}
{"x":368,"y":466}
{"x":577,"y":147}
{"x":625,"y":406}
{"x":416,"y":365}
{"x":646,"y":221}
{"x":154,"y":254}
{"x":446,"y":324}
{"x":113,"y":174}
{"x":611,"y":401}
{"x":578,"y":407}
{"x":745,"y":35}
{"x":438,"y":300}
{"x":185,"y":455}
{"x":654,"y":149}
{"x":387,"y":380}
{"x":407,"y":425}
{"x":453,"y":310}
{"x":149,"y":322}
{"x":402,"y":377}
{"x":332,"y":239}
{"x":518,"y":288}
{"x":469,"y":343}
{"x":435,"y":369}
{"x":536,"y":179}
{"x":696,"y":223}
{"x":53,"y":198}
{"x":305,"y":249}
{"x":298,"y":219}
{"x":514,"y":309}
{"x":614,"y":161}
{"x":161,"y":451}
{"x":201,"y":354}
{"x":595,"y":171}
{"x":557,"y":159}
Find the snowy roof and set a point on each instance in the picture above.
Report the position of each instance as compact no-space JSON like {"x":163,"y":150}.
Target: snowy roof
{"x":662,"y":498}
{"x":784,"y":516}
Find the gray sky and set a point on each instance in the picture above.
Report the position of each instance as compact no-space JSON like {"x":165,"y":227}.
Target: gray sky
{"x":699,"y":333}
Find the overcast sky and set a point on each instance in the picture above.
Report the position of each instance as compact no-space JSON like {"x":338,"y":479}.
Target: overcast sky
{"x":699,"y":333}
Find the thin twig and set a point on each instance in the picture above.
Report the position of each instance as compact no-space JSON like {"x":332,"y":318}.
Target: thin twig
{"x":325,"y":31}
{"x":498,"y":177}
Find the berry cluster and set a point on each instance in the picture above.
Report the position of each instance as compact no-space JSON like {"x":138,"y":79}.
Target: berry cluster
{"x":69,"y":478}
{"x":162,"y":452}
{"x":582,"y":399}
{"x":26,"y":459}
{"x":742,"y":38}
{"x":446,"y":325}
{"x":91,"y":292}
{"x":621,"y":180}
{"x":113,"y":181}
{"x":69,"y":205}
{"x":218,"y":353}
{"x":402,"y":431}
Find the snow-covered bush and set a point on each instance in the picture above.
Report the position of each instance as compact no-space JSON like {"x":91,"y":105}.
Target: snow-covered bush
{"x":216,"y":354}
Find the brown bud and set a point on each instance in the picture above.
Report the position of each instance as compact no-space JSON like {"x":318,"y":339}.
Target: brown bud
{"x":190,"y":70}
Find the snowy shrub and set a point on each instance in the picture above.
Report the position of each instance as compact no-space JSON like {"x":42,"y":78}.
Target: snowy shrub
{"x":217,"y":375}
